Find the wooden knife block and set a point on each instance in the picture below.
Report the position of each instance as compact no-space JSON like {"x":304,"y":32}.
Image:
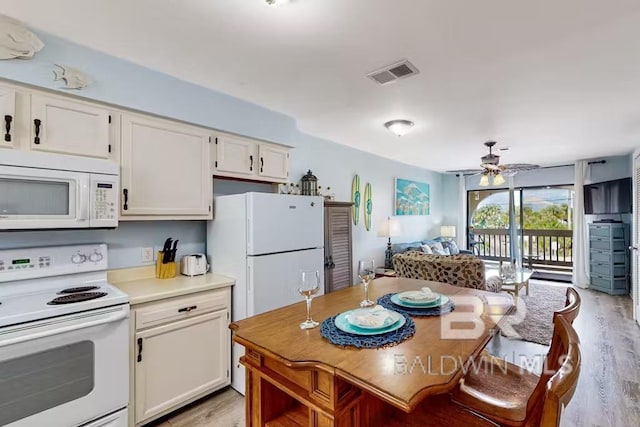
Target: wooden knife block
{"x":165,"y":271}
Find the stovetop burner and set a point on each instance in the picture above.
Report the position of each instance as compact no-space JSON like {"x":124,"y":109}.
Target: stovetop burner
{"x":78,"y":289}
{"x":77,"y":297}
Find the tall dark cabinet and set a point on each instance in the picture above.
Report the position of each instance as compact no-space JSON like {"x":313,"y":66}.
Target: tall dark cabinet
{"x":609,"y":257}
{"x":338,"y":264}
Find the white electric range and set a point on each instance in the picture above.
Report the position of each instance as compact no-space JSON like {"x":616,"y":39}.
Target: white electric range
{"x":63,"y":339}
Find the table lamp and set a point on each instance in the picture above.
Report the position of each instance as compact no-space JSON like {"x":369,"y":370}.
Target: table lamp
{"x":389,"y":228}
{"x":448,"y":231}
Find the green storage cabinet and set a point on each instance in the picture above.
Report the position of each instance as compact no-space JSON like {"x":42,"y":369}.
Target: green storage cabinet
{"x":609,"y":257}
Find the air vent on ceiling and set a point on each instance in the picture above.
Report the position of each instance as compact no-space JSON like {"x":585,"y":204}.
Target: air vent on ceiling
{"x":399,"y":70}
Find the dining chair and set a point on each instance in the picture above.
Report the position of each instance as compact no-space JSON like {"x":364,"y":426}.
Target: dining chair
{"x":516,"y":397}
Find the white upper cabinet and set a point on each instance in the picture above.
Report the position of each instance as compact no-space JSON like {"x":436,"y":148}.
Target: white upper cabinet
{"x":245,"y":158}
{"x":235,"y":155}
{"x":164,"y":169}
{"x":70,"y":127}
{"x":273,"y":162}
{"x":8,"y":116}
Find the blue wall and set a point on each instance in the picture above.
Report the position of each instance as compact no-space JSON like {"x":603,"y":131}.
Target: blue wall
{"x":125,"y":84}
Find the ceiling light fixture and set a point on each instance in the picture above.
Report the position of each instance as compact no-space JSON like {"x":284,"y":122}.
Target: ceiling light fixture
{"x":498,"y":179}
{"x":276,"y":2}
{"x":484,"y":180}
{"x":399,"y":127}
{"x":491,"y":177}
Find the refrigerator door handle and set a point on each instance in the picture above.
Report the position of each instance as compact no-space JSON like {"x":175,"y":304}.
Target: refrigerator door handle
{"x":249,"y":239}
{"x":249,"y":278}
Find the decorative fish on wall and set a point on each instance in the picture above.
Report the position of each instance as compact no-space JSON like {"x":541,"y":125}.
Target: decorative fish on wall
{"x":73,"y":78}
{"x":16,"y":40}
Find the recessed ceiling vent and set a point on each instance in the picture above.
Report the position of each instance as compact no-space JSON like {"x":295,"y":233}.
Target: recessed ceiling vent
{"x":399,"y":70}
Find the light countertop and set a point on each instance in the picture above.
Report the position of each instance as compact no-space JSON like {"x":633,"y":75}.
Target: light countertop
{"x":142,"y":286}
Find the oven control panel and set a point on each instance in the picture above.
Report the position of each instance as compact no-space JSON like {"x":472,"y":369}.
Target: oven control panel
{"x":29,"y":263}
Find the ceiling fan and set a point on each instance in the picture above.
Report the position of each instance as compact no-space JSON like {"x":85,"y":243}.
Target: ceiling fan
{"x":491,"y":168}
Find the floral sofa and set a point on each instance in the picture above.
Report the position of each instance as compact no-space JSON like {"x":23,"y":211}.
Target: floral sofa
{"x":459,"y":270}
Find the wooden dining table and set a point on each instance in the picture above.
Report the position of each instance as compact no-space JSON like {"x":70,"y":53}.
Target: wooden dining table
{"x":297,"y":377}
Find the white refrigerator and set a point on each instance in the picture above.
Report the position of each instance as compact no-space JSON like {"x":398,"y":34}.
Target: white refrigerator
{"x":264,"y":241}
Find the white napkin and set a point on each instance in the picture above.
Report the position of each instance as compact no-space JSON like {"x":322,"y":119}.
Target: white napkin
{"x":424,"y":294}
{"x":375,"y":317}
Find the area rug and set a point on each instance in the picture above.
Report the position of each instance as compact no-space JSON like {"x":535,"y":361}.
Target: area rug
{"x":533,"y":319}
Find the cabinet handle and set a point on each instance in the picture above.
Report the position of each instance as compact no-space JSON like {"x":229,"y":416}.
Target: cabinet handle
{"x":139,"y":350}
{"x":125,"y":193}
{"x":331,"y":263}
{"x":261,"y":164}
{"x":251,"y":165}
{"x":37,"y":123}
{"x":187,"y":309}
{"x":7,"y":126}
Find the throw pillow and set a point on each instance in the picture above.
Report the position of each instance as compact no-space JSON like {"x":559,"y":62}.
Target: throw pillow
{"x":444,"y":251}
{"x":437,"y":247}
{"x":427,"y":249}
{"x":451,"y":245}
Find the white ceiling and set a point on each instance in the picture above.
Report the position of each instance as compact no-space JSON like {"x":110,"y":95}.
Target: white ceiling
{"x":555,"y":80}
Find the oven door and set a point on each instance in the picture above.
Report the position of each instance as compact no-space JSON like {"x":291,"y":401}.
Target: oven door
{"x":32,"y":198}
{"x":65,"y":371}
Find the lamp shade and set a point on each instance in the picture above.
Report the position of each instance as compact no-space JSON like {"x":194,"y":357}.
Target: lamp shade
{"x":498,"y":179}
{"x":390,"y":227}
{"x":448,"y":231}
{"x":484,"y":180}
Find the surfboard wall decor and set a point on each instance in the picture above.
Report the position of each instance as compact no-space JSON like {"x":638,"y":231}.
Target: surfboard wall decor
{"x":368,"y":206}
{"x":355,"y":198}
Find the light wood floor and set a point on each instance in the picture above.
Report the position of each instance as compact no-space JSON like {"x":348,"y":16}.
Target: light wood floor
{"x":608,"y":392}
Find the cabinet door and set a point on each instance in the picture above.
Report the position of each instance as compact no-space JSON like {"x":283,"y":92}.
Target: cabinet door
{"x":274,"y":162}
{"x":7,"y":116}
{"x":338,"y":248}
{"x":165,"y":168}
{"x":69,"y":127}
{"x":235,"y":156}
{"x":180,"y":361}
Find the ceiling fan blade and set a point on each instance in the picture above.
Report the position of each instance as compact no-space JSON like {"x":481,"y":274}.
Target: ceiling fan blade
{"x":467,"y":171}
{"x":520,"y":166}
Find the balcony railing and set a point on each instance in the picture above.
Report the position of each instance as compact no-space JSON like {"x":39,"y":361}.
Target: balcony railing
{"x":548,"y":248}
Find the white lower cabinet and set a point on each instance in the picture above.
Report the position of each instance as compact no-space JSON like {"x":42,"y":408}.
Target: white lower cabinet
{"x":184,"y":358}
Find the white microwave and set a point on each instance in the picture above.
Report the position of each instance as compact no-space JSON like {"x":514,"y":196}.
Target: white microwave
{"x":47,"y":191}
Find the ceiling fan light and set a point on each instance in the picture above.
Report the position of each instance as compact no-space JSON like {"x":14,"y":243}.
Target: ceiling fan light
{"x":498,"y":179}
{"x":484,"y":180}
{"x":399,"y":127}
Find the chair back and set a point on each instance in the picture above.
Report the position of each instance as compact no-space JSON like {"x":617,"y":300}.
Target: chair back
{"x":572,"y":306}
{"x":559,"y":379}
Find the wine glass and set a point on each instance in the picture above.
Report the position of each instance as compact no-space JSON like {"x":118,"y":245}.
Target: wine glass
{"x":309,"y":286}
{"x":366,"y":272}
